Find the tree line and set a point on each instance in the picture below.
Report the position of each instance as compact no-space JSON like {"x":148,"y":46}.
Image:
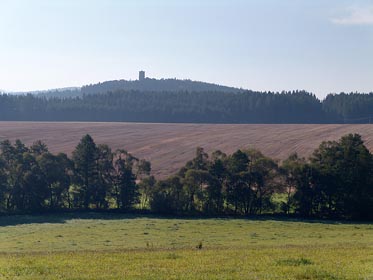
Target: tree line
{"x":192,"y":107}
{"x":334,"y":182}
{"x":33,"y":179}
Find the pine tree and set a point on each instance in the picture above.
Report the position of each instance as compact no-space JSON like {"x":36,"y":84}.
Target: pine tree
{"x":85,"y":158}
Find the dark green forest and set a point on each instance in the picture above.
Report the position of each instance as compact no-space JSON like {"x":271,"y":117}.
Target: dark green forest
{"x":157,"y":85}
{"x":192,"y":107}
{"x":335,"y":182}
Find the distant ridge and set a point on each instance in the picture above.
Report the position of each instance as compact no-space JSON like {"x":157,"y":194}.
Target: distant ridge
{"x":146,"y":84}
{"x":58,"y":92}
{"x":184,"y":101}
{"x":149,"y":84}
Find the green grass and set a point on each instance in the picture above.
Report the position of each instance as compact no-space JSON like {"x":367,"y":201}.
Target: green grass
{"x":103,"y":246}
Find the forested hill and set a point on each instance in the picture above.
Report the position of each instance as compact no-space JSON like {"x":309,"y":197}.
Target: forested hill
{"x":148,"y":84}
{"x":191,"y":107}
{"x":59,"y":92}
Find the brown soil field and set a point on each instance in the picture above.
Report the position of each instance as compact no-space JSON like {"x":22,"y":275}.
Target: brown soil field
{"x":169,"y":146}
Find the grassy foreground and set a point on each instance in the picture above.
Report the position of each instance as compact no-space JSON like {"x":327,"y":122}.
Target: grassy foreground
{"x":103,"y":246}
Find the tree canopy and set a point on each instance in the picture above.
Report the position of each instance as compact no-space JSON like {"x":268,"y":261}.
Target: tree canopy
{"x":190,"y":106}
{"x":334,"y":182}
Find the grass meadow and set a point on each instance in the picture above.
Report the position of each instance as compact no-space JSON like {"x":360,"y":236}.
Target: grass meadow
{"x":115,"y":246}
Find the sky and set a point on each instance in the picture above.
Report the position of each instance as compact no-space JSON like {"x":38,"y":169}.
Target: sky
{"x":322,"y":46}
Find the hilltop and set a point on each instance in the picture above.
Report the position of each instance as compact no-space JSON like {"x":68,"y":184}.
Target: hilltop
{"x":155,"y":85}
{"x":144,"y":84}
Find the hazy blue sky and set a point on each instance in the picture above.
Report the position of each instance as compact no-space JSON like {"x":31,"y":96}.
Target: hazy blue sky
{"x":319,"y":45}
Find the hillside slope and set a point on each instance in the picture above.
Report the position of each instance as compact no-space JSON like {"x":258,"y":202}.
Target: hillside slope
{"x":169,"y":146}
{"x":154,"y":85}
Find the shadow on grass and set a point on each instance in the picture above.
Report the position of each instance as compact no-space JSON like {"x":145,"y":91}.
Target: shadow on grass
{"x":63,"y":217}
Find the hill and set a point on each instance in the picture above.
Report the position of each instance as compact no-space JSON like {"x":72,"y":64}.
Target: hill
{"x":155,"y":85}
{"x":147,"y":84}
{"x":184,"y":101}
{"x":169,"y":146}
{"x":67,"y":92}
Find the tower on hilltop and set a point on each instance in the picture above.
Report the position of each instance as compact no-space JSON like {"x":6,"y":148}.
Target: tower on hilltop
{"x":141,"y":75}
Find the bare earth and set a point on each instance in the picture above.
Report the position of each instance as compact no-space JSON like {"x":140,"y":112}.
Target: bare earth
{"x":169,"y":146}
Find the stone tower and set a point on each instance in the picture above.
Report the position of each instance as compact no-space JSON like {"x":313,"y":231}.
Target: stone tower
{"x":141,"y":75}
